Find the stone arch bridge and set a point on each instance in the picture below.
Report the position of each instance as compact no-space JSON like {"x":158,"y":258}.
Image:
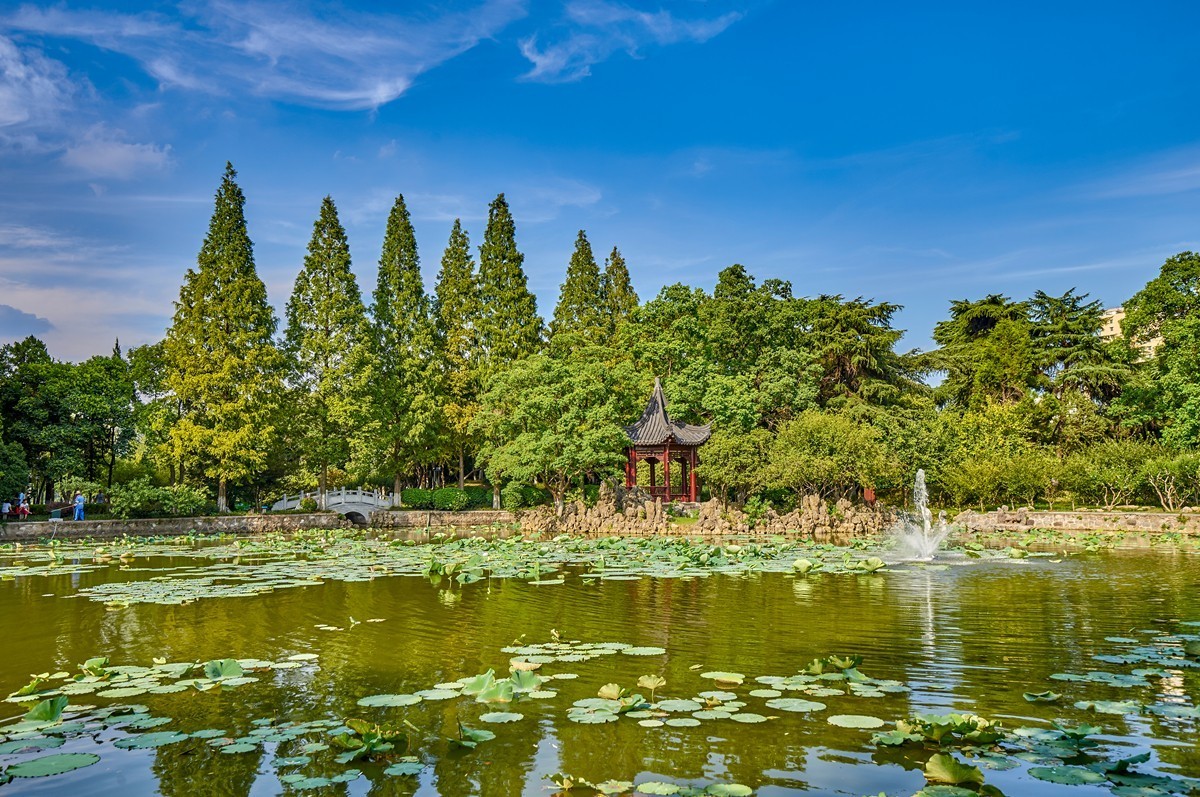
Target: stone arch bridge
{"x":354,"y":505}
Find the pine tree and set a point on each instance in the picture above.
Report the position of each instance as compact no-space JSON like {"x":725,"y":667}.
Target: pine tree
{"x":509,"y":326}
{"x":403,"y":383}
{"x":581,"y":312}
{"x":619,"y":297}
{"x":325,"y":342}
{"x":456,"y":311}
{"x":221,"y":361}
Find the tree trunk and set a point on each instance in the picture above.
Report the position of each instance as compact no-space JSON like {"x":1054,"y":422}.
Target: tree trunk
{"x":495,"y":496}
{"x":397,"y":485}
{"x":462,"y":467}
{"x":559,"y":504}
{"x":222,"y":502}
{"x":322,"y":487}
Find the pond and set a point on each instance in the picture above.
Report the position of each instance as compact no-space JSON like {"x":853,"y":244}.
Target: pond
{"x":761,"y":688}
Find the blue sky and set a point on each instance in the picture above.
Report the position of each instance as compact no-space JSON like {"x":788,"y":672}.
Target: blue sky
{"x":915,"y":153}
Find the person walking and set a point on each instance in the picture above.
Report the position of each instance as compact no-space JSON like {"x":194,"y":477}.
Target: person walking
{"x":5,"y":510}
{"x":79,"y":502}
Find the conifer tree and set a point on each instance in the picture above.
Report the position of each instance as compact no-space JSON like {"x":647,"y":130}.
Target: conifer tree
{"x":403,"y":383}
{"x":325,"y":344}
{"x":456,"y":310}
{"x":220,"y":357}
{"x":581,"y":311}
{"x":509,"y":327}
{"x":619,"y":297}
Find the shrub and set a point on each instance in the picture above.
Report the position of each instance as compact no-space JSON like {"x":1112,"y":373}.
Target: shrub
{"x":451,"y":498}
{"x":415,"y":498}
{"x":140,"y":498}
{"x":536,"y":496}
{"x":512,"y":496}
{"x":307,"y":504}
{"x":591,"y":494}
{"x":480,"y":497}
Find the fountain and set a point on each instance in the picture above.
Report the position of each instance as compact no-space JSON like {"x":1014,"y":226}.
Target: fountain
{"x":919,"y":538}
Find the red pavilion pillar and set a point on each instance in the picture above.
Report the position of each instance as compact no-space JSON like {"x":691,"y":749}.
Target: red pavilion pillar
{"x":695,"y":494}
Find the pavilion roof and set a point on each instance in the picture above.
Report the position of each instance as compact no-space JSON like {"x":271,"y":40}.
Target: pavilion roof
{"x":655,"y":426}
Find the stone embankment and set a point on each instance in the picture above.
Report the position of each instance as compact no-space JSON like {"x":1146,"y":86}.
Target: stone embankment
{"x":422,"y":518}
{"x":170,"y":527}
{"x":1145,"y":522}
{"x":634,"y":513}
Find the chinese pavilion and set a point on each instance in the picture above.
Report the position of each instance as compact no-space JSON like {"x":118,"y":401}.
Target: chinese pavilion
{"x":657,"y":439}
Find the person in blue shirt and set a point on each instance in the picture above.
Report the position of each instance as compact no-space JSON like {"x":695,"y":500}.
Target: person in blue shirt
{"x":79,"y":501}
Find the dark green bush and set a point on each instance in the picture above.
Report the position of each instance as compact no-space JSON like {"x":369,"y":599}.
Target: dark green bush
{"x":536,"y":496}
{"x":480,"y":497}
{"x":451,"y":499}
{"x":591,"y":494}
{"x":140,"y":498}
{"x":307,"y":504}
{"x":415,"y":498}
{"x":512,"y":496}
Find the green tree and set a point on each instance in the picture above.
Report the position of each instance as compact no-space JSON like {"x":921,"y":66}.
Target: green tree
{"x":103,"y":413}
{"x":553,"y":420}
{"x":508,"y":327}
{"x":1068,"y":349}
{"x":456,"y":312}
{"x":403,"y":384}
{"x":735,"y":461}
{"x":221,"y":362}
{"x":986,"y":352}
{"x":582,"y":310}
{"x":156,"y":410}
{"x":853,"y":343}
{"x":1171,"y":296}
{"x":828,"y":454}
{"x":620,"y":298}
{"x":326,"y":346}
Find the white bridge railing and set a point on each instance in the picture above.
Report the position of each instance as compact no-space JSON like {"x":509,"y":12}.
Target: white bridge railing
{"x":335,"y":498}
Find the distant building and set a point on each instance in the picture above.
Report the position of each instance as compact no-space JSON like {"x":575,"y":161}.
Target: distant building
{"x":1110,"y":329}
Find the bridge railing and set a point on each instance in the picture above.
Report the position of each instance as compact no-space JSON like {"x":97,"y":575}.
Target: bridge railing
{"x":334,"y":497}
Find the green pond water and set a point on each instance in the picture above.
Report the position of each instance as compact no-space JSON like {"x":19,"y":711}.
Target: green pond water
{"x":346,"y":621}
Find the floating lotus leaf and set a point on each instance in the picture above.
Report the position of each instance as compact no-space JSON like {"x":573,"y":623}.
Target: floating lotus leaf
{"x":223,"y":668}
{"x":719,"y":695}
{"x":735,"y":678}
{"x":55,"y":764}
{"x":389,"y":700}
{"x":795,"y":704}
{"x":592,"y":717}
{"x":501,"y":716}
{"x":765,"y":693}
{"x":1109,"y":706}
{"x":405,"y":769}
{"x":144,"y":741}
{"x":47,"y":711}
{"x":657,"y":787}
{"x":239,"y":747}
{"x":613,"y":786}
{"x":651,"y":723}
{"x":35,"y":743}
{"x":437,"y":694}
{"x":748,"y":717}
{"x":291,"y":761}
{"x":679,"y":705}
{"x":855,"y":721}
{"x":644,"y":651}
{"x":302,"y":657}
{"x":683,"y":722}
{"x":148,"y":722}
{"x":729,"y":790}
{"x":709,"y":714}
{"x":541,"y":694}
{"x":942,"y":790}
{"x":1067,"y":776}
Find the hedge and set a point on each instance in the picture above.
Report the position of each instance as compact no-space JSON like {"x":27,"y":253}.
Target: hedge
{"x":451,"y":499}
{"x":415,"y":498}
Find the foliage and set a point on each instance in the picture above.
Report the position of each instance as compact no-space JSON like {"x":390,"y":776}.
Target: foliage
{"x":456,"y":314}
{"x":220,"y":359}
{"x":140,"y":498}
{"x":14,"y":473}
{"x":828,"y":454}
{"x":582,"y":307}
{"x":415,"y":498}
{"x":508,"y":326}
{"x":451,"y":499}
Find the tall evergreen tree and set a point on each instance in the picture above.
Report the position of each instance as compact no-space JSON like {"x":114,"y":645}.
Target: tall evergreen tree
{"x":325,"y":342}
{"x":403,"y":385}
{"x":581,"y":310}
{"x":220,"y":356}
{"x":456,"y":311}
{"x":509,"y":326}
{"x":619,"y":296}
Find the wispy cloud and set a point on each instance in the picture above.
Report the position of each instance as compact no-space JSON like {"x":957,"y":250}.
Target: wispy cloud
{"x":332,"y":58}
{"x":103,"y":152}
{"x":35,"y":91}
{"x":1170,"y":173}
{"x":596,"y":29}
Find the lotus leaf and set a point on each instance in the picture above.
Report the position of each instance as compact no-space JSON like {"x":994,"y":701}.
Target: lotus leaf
{"x":147,"y":740}
{"x":765,"y":693}
{"x":1067,"y":776}
{"x":239,"y":747}
{"x":644,"y":651}
{"x":943,"y":768}
{"x":223,"y":668}
{"x":679,"y":705}
{"x":748,"y":717}
{"x":855,"y":721}
{"x":501,"y":716}
{"x":35,"y":743}
{"x":56,"y":764}
{"x":405,"y":769}
{"x":498,"y":692}
{"x":794,"y":704}
{"x":683,"y":722}
{"x":291,"y":761}
{"x":734,"y":678}
{"x":437,"y":694}
{"x":657,"y":787}
{"x":1042,"y":697}
{"x":729,"y":790}
{"x":389,"y":700}
{"x":47,"y":711}
{"x":651,"y":723}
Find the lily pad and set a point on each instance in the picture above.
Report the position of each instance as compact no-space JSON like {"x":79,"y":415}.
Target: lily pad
{"x":501,"y":716}
{"x":855,"y":721}
{"x":1067,"y":776}
{"x":144,"y":741}
{"x":795,"y":704}
{"x":55,"y":764}
{"x":389,"y":700}
{"x":644,"y":651}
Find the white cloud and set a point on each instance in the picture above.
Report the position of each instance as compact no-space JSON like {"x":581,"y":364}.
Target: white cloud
{"x":103,"y":153}
{"x":332,"y":58}
{"x":598,"y":28}
{"x":34,"y":92}
{"x":1168,"y":173}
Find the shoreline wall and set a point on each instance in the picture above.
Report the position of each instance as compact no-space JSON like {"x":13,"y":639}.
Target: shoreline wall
{"x":168,"y":527}
{"x":1080,"y":521}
